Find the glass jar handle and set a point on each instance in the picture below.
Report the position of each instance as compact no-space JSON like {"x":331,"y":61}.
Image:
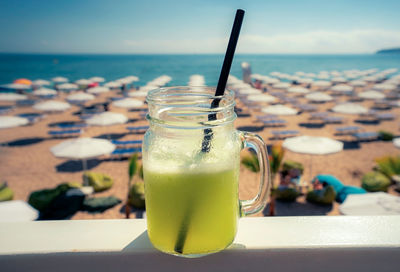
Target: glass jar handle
{"x":259,"y":202}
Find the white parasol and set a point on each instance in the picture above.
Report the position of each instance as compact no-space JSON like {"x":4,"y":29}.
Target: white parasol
{"x":383,"y":87}
{"x":59,"y":79}
{"x":298,"y":89}
{"x":44,"y":92}
{"x":261,"y":98}
{"x":96,"y":79}
{"x":349,"y":108}
{"x":98,"y":90}
{"x":318,"y":97}
{"x":281,"y":85}
{"x":12,"y":97}
{"x":128,"y":103}
{"x":107,"y":119}
{"x":79,"y":97}
{"x":67,"y":87}
{"x":82,"y":149}
{"x":371,"y":95}
{"x":12,"y":121}
{"x":52,"y":106}
{"x":279,"y":110}
{"x":342,"y":88}
{"x":137,"y":94}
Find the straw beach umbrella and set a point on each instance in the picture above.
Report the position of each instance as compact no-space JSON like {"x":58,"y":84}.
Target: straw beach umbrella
{"x":15,"y":87}
{"x":52,"y":106}
{"x":113,"y":85}
{"x":279,"y":110}
{"x":12,"y":121}
{"x":98,"y":90}
{"x":318,"y":97}
{"x":261,"y":98}
{"x":342,"y":88}
{"x":138,"y":94}
{"x":79,"y":97}
{"x":44,"y":92}
{"x":82,"y":149}
{"x":322,"y":84}
{"x":67,"y":87}
{"x":298,"y":90}
{"x":371,"y":95}
{"x":107,"y":119}
{"x":59,"y":80}
{"x":41,"y":82}
{"x":313,"y":146}
{"x":349,"y":108}
{"x":97,"y":79}
{"x":12,"y":97}
{"x":383,"y":87}
{"x":127,"y":103}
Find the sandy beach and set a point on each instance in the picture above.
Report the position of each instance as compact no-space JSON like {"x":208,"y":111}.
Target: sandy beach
{"x":26,"y":163}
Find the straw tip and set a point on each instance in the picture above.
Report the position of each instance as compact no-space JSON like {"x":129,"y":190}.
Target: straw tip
{"x":240,"y":11}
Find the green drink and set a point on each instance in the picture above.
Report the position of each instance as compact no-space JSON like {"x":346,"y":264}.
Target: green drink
{"x":192,"y":200}
{"x":199,"y":207}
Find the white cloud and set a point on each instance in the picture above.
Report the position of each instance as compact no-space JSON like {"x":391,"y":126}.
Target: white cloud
{"x":352,"y":41}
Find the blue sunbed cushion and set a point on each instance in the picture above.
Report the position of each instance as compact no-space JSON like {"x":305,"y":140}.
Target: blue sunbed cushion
{"x":348,"y":190}
{"x":331,"y":180}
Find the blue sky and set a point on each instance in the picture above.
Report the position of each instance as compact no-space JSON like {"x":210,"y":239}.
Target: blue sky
{"x":197,"y":26}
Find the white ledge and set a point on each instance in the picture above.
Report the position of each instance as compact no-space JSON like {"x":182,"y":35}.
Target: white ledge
{"x":271,"y":243}
{"x":253,"y":233}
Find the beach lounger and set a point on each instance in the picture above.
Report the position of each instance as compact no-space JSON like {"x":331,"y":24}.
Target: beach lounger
{"x":266,"y":117}
{"x":384,"y":116}
{"x":306,"y":107}
{"x":333,"y":120}
{"x":32,"y":117}
{"x":65,"y":133}
{"x":137,"y":129}
{"x":282,"y":134}
{"x":126,"y":144}
{"x":274,"y":122}
{"x":318,"y":115}
{"x":72,"y":126}
{"x":5,"y":109}
{"x":348,"y":130}
{"x":125,"y":152}
{"x":26,"y":103}
{"x":382,"y":105}
{"x":366,"y":136}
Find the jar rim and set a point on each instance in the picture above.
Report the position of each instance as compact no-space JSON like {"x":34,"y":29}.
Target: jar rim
{"x":190,"y":106}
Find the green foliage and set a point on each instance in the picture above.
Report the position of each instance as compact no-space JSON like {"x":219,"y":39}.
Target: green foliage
{"x":385,"y":135}
{"x":289,"y":165}
{"x":286,"y":194}
{"x":136,"y":195}
{"x":375,"y":182}
{"x":388,"y":165}
{"x":250,"y":161}
{"x":42,"y":199}
{"x":99,"y":204}
{"x":99,"y":182}
{"x":133,"y":165}
{"x":324,"y":197}
{"x":140,"y":172}
{"x":5,"y":193}
{"x":276,"y":157}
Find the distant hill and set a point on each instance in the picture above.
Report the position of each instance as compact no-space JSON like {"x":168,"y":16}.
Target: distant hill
{"x":389,"y":51}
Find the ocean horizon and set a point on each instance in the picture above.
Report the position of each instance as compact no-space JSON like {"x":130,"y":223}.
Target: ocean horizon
{"x":179,"y":66}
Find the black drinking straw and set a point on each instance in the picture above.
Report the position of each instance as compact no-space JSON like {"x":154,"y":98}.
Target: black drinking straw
{"x":205,"y":146}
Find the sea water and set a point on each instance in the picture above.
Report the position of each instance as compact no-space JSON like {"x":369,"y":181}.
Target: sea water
{"x":179,"y":67}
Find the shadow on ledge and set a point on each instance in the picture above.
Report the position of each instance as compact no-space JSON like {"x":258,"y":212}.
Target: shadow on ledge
{"x":72,"y":166}
{"x":25,"y":141}
{"x":298,"y":209}
{"x":367,"y":122}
